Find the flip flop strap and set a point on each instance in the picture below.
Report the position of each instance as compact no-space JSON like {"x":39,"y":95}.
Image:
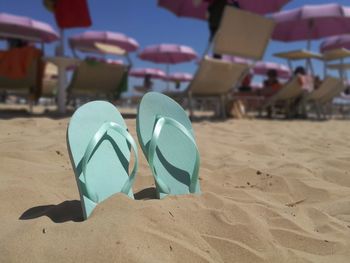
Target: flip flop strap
{"x":95,"y":141}
{"x":160,"y":122}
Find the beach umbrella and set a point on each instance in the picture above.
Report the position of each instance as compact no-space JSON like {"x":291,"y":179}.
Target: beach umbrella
{"x":311,"y":22}
{"x":90,"y":40}
{"x":335,"y":42}
{"x":168,"y":54}
{"x":257,"y":85}
{"x":143,"y":72}
{"x":237,"y":60}
{"x":179,"y":77}
{"x":13,"y":26}
{"x":262,"y":67}
{"x":103,"y":60}
{"x":198,"y":9}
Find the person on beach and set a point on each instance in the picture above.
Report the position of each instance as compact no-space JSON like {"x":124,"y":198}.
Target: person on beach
{"x":177,"y":84}
{"x":271,"y":84}
{"x":215,"y":11}
{"x":317,"y":82}
{"x":306,"y":81}
{"x":147,"y":82}
{"x":271,"y":87}
{"x":308,"y":84}
{"x":246,"y":83}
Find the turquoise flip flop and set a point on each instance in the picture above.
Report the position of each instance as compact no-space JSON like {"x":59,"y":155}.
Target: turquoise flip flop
{"x":167,"y":140}
{"x":99,"y":145}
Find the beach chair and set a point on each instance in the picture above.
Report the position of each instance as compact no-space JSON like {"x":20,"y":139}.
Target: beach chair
{"x":50,"y":81}
{"x":96,"y":80}
{"x":242,"y":34}
{"x":287,"y":95}
{"x":213,"y":81}
{"x":330,"y":88}
{"x":22,"y":85}
{"x":26,"y":87}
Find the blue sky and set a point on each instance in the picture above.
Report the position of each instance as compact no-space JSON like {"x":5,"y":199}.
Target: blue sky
{"x":149,"y":24}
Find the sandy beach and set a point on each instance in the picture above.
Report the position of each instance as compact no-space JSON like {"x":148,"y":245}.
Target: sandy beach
{"x":272,"y":191}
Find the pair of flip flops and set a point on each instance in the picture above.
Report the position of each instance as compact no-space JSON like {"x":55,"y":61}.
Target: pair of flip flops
{"x":99,"y":146}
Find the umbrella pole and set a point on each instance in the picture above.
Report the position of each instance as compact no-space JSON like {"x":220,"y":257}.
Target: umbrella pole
{"x":128,"y":59}
{"x":342,"y":76}
{"x":290,"y":64}
{"x":167,"y":73}
{"x":311,"y":25}
{"x":325,"y":69}
{"x":311,"y":67}
{"x":61,"y":49}
{"x":62,"y":80}
{"x":308,"y":44}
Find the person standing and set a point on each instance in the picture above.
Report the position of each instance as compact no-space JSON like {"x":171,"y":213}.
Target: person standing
{"x":216,"y":10}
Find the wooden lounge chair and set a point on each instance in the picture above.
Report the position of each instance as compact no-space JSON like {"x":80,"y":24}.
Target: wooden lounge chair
{"x":96,"y":80}
{"x":242,"y":34}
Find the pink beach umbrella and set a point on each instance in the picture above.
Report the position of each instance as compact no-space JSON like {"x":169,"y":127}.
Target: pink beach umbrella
{"x":13,"y":26}
{"x":168,"y":54}
{"x":257,"y":85}
{"x":311,"y":22}
{"x":237,"y":60}
{"x":335,"y":42}
{"x":88,"y":39}
{"x":188,"y":8}
{"x":143,"y":72}
{"x":108,"y":61}
{"x":262,"y":67}
{"x":179,"y":77}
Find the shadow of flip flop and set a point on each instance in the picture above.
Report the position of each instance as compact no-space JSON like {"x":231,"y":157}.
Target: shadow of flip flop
{"x":146,"y":194}
{"x":63,"y":212}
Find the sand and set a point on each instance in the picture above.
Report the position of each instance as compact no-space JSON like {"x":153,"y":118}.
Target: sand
{"x":273,"y":191}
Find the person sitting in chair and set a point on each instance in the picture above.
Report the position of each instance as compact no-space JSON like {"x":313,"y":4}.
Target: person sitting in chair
{"x":271,"y":84}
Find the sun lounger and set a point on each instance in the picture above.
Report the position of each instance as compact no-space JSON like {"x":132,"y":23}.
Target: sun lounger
{"x":330,"y":88}
{"x":21,"y":86}
{"x":50,"y":81}
{"x":214,"y":80}
{"x":97,"y":79}
{"x":289,"y":92}
{"x":21,"y":72}
{"x":241,"y":34}
{"x":324,"y":90}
